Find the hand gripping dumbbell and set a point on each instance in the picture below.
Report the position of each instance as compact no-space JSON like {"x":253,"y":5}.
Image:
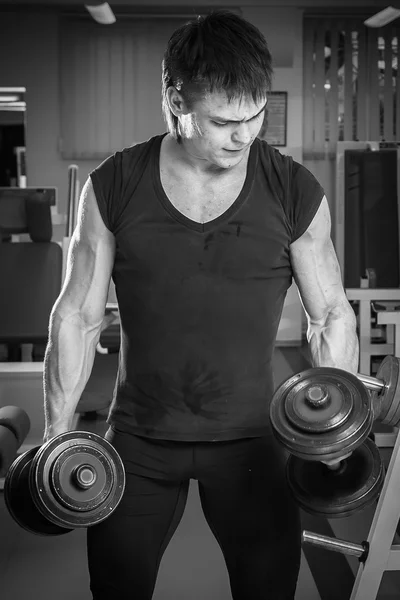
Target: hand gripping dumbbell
{"x":74,"y":480}
{"x":323,"y":414}
{"x":14,"y":427}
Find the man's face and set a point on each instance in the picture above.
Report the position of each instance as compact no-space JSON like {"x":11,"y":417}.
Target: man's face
{"x":221,"y":132}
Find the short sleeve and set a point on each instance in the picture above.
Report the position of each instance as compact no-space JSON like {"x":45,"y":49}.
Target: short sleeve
{"x":116,"y":179}
{"x":306,"y":197}
{"x":107,"y":183}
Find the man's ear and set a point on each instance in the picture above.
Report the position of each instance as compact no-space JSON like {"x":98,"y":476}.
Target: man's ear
{"x":176,"y":102}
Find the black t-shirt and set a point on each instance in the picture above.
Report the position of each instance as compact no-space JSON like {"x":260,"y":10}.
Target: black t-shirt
{"x":200,"y":304}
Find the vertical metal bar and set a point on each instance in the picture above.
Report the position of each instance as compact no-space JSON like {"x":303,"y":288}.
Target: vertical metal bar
{"x":364,"y":335}
{"x":72,"y":199}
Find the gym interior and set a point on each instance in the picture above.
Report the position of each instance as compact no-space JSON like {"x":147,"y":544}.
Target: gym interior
{"x":74,"y":90}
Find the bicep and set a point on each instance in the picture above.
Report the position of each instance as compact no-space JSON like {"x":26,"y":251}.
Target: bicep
{"x":89,"y":264}
{"x":315,"y":267}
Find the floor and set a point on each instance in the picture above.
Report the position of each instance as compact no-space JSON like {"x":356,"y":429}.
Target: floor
{"x":35,"y":567}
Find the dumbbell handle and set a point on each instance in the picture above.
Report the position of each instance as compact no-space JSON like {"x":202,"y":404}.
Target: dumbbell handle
{"x":372,"y":383}
{"x":323,"y":541}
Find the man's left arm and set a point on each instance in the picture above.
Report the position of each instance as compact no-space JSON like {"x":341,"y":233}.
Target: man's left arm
{"x":331,"y":332}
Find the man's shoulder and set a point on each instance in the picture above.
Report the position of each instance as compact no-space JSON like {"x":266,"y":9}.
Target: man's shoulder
{"x":126,"y":158}
{"x":271,"y":154}
{"x":279,"y":160}
{"x":137,"y":149}
{"x":120,"y":166}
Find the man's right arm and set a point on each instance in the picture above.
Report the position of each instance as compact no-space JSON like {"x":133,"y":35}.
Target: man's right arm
{"x":77,"y":315}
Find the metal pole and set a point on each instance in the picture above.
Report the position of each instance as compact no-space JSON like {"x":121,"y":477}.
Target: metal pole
{"x":323,"y":541}
{"x":372,"y":383}
{"x":72,"y":199}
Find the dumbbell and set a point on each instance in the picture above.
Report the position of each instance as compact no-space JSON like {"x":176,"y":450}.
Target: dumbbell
{"x":14,"y":427}
{"x":322,"y":414}
{"x":75,"y":480}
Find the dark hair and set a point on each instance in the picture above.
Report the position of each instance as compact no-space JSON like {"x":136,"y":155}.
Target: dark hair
{"x":217,"y":52}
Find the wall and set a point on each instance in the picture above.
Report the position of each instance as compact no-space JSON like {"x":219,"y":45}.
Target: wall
{"x":29,"y":41}
{"x":29,"y":45}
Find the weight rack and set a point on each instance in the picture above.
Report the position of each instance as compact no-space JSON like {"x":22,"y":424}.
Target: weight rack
{"x":378,"y":553}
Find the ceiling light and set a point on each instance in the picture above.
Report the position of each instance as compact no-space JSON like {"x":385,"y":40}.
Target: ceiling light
{"x":102,"y":13}
{"x":383,"y":17}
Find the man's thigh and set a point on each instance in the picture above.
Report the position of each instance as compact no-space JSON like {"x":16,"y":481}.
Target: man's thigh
{"x":247,"y":503}
{"x":125,"y":550}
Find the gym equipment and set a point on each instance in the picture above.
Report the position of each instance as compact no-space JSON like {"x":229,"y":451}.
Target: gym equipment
{"x":31,"y":271}
{"x":323,"y":413}
{"x":24,"y":318}
{"x":14,"y":427}
{"x":361,"y":551}
{"x":366,"y":298}
{"x":338,"y":491}
{"x":320,"y":415}
{"x":386,"y":391}
{"x":32,"y":265}
{"x":73,"y":195}
{"x":379,"y":552}
{"x":75,"y":480}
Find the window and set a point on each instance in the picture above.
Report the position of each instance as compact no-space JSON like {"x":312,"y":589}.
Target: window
{"x":110,"y":83}
{"x":350,"y":84}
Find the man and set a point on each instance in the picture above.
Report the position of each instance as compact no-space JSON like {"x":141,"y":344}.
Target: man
{"x":202,"y":230}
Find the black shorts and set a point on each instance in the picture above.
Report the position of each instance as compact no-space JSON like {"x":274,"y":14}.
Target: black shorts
{"x":245,"y":500}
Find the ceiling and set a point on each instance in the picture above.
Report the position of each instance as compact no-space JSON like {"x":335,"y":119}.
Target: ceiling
{"x":349,"y":4}
{"x":356,"y":8}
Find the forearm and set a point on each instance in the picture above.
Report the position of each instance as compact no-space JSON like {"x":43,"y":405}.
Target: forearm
{"x":67,"y":366}
{"x":333,"y":341}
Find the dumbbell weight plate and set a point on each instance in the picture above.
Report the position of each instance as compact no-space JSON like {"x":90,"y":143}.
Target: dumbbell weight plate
{"x":388,"y":372}
{"x":326,"y":432}
{"x":77,"y":479}
{"x":337,"y":493}
{"x":19,"y":502}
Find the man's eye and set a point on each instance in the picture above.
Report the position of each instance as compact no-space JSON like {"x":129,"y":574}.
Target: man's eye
{"x":219,"y":124}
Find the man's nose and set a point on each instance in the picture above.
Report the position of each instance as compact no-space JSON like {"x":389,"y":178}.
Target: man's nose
{"x":242,"y":134}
